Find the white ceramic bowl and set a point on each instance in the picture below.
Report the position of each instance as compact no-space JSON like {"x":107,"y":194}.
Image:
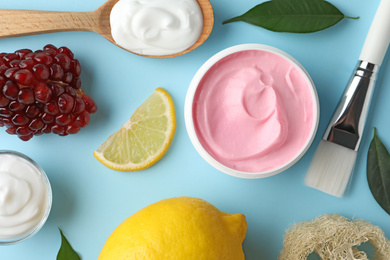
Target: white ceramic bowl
{"x":49,"y":199}
{"x":189,"y":120}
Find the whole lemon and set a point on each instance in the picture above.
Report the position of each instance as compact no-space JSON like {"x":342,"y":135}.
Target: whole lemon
{"x":178,"y":228}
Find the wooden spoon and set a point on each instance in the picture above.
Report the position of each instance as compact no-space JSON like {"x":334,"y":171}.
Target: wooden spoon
{"x":29,"y":22}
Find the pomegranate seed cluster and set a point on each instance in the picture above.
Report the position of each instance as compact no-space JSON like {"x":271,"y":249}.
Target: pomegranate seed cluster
{"x":40,"y":93}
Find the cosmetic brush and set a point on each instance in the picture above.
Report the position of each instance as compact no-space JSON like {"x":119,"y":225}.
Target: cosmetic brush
{"x":333,"y":162}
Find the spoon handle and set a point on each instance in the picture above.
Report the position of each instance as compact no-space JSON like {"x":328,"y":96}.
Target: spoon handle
{"x":28,"y":22}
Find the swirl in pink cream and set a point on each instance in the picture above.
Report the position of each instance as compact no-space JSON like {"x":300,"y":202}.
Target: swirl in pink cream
{"x":253,"y":111}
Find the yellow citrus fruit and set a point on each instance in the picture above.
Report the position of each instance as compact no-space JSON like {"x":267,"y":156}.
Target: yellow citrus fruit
{"x":144,"y":138}
{"x":181,"y":228}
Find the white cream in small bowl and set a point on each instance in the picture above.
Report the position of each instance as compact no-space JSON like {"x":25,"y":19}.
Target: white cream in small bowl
{"x":25,"y":197}
{"x":251,"y":111}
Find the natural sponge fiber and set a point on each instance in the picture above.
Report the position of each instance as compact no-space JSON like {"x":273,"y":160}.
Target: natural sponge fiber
{"x":332,"y":236}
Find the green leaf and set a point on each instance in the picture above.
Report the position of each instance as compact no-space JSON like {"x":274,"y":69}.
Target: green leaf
{"x":66,"y":251}
{"x":378,"y":172}
{"x":296,"y":16}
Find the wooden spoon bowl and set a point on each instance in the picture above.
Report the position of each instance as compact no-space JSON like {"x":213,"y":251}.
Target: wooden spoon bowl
{"x":16,"y":23}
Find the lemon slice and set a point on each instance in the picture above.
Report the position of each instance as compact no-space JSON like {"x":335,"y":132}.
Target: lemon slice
{"x":144,"y":138}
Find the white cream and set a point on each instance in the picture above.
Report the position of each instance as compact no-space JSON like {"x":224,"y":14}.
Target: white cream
{"x":156,"y":27}
{"x":23,"y":196}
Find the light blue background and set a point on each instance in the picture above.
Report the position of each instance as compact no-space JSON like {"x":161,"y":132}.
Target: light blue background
{"x":90,"y":200}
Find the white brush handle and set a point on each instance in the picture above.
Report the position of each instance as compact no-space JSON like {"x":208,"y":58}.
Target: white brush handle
{"x":378,"y":37}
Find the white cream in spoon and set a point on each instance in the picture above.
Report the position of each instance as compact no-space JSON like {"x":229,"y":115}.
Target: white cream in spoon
{"x":156,"y":27}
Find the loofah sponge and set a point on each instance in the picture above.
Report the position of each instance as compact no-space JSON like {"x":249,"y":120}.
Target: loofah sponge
{"x":334,"y":237}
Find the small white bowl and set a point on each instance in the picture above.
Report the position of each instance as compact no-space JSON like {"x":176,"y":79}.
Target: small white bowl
{"x":48,"y":197}
{"x":189,"y":120}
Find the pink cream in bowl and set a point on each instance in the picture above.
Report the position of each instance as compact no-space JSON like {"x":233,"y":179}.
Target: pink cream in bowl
{"x":251,"y":111}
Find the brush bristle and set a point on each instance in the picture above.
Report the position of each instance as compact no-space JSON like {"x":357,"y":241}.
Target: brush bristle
{"x":331,"y":168}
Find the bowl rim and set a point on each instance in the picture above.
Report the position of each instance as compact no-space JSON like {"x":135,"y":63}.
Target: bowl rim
{"x":188,"y":108}
{"x":49,"y":202}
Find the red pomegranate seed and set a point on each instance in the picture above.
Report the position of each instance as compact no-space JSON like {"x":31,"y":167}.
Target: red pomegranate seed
{"x":5,"y":112}
{"x":56,"y":72}
{"x":26,"y":96}
{"x":47,"y":118}
{"x":76,"y":83}
{"x":43,"y":58}
{"x":11,"y":130}
{"x":57,"y":89}
{"x":63,"y":119}
{"x":65,"y":103}
{"x":8,"y":122}
{"x":76,"y":67}
{"x":68,"y":77}
{"x":90,"y":105}
{"x":41,"y":72}
{"x":43,"y":93}
{"x":66,"y":51}
{"x":39,"y":132}
{"x":26,"y":137}
{"x":79,"y":105}
{"x":2,"y":82}
{"x":36,"y":124}
{"x":3,"y":101}
{"x":15,"y":106}
{"x":82,"y":120}
{"x":3,"y":69}
{"x":72,"y":129}
{"x":26,"y":64}
{"x":30,"y":56}
{"x":22,"y":53}
{"x":32,"y":111}
{"x":70,"y":91}
{"x":11,"y":90}
{"x":23,"y":76}
{"x":9,"y":57}
{"x":50,"y":52}
{"x":51,"y":108}
{"x":57,"y":129}
{"x":63,"y":60}
{"x":9,"y":73}
{"x":14,"y":64}
{"x":20,"y":119}
{"x":50,"y":47}
{"x":23,"y":131}
{"x":47,"y":129}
